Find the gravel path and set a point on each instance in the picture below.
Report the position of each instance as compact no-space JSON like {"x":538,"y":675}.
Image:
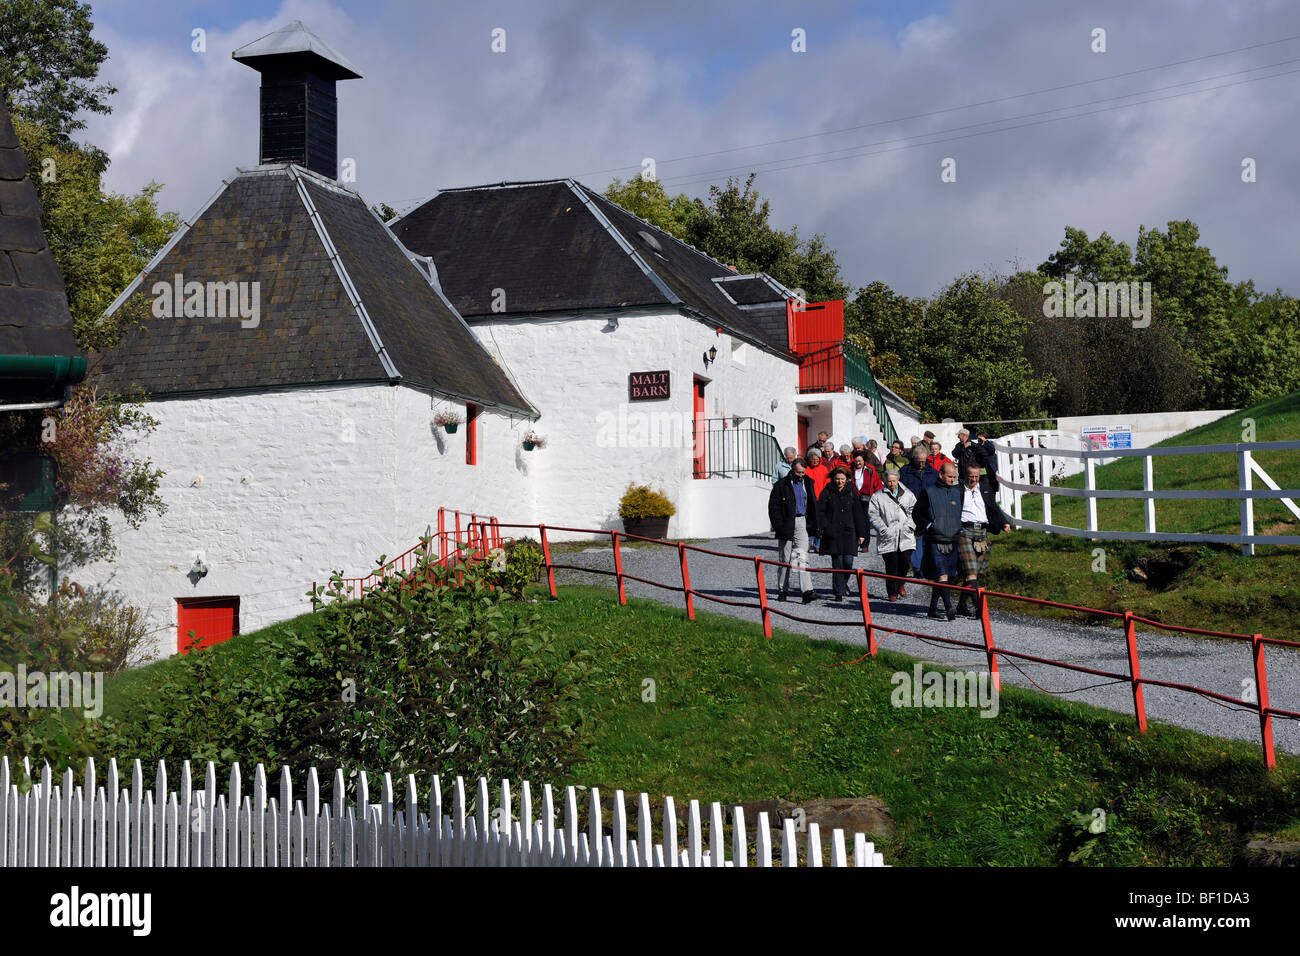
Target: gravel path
{"x":1215,"y":665}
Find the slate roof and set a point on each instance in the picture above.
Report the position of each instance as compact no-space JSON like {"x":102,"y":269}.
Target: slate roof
{"x":558,"y":246}
{"x":297,"y":39}
{"x":34,"y":316}
{"x":259,"y":228}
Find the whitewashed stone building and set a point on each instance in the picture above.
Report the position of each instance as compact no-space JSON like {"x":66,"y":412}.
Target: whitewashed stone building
{"x":296,"y":351}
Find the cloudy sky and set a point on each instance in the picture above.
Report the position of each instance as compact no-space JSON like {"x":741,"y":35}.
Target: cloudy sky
{"x":848,"y":138}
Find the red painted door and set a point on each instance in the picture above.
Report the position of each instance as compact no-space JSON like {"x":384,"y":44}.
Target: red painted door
{"x":700,"y":434}
{"x":212,"y":619}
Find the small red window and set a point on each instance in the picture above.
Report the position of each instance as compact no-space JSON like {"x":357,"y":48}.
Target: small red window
{"x":212,"y":619}
{"x":471,"y":434}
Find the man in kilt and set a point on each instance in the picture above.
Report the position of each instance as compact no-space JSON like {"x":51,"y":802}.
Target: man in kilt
{"x":980,"y":514}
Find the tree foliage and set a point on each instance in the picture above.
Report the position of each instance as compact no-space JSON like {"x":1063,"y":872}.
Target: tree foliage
{"x":100,"y":240}
{"x":49,"y":62}
{"x":732,"y":226}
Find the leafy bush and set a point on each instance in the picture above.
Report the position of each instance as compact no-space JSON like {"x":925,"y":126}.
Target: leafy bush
{"x":520,"y":564}
{"x":640,"y":501}
{"x":108,"y":632}
{"x":426,"y":673}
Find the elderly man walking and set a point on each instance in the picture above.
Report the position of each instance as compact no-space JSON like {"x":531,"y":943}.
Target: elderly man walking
{"x":980,"y":514}
{"x":938,"y":514}
{"x":783,"y":467}
{"x":792,"y":510}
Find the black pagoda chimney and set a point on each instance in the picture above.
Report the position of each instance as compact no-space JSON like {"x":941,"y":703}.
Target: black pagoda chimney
{"x":299,"y":111}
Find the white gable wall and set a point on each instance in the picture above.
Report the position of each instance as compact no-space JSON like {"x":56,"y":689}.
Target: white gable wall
{"x":574,"y":369}
{"x":276,"y":489}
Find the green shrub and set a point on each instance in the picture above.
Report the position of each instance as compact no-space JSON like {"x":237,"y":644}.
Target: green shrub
{"x":520,"y":565}
{"x":640,"y":501}
{"x":423,"y":677}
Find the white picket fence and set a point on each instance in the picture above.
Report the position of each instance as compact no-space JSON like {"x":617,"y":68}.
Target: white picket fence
{"x":67,"y":822}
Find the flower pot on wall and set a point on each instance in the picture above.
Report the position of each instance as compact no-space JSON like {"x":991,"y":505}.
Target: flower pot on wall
{"x":647,"y":527}
{"x":451,"y":427}
{"x":528,"y":446}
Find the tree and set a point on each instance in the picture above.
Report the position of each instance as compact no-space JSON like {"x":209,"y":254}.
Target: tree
{"x":732,"y":227}
{"x":1101,"y":365}
{"x":1097,"y":260}
{"x":648,"y":199}
{"x":887,"y":326}
{"x":100,"y":241}
{"x":1204,"y":331}
{"x":49,"y":61}
{"x":972,"y":362}
{"x":96,"y":474}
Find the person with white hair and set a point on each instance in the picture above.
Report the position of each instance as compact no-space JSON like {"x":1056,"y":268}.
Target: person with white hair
{"x":783,"y":467}
{"x":890,"y":514}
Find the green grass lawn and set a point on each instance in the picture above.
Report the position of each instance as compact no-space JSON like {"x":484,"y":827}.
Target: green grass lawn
{"x":736,"y":717}
{"x":1208,"y":586}
{"x":1275,"y":420}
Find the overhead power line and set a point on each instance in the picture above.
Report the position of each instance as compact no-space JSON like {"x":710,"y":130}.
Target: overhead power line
{"x":686,"y":179}
{"x":949,"y":109}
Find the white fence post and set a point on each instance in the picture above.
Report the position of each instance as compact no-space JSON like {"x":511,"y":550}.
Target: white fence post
{"x":1247,"y":504}
{"x":61,"y":824}
{"x":1148,"y":484}
{"x":1090,"y":485}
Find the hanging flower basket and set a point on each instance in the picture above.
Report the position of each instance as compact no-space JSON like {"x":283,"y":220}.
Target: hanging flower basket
{"x":449,"y":420}
{"x":533,"y":440}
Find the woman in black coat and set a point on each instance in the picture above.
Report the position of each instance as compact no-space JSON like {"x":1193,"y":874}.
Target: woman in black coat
{"x":843,"y":527}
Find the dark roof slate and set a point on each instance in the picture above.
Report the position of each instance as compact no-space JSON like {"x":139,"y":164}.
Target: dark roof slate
{"x":537,"y":243}
{"x":258,"y":229}
{"x":426,"y":339}
{"x":34,"y":316}
{"x":546,"y":244}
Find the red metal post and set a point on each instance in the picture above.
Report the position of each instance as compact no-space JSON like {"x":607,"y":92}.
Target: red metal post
{"x":762,"y":597}
{"x":1261,"y":688}
{"x":866,"y":613}
{"x":546,"y":556}
{"x":989,"y":649}
{"x":457,"y":547}
{"x":442,"y":536}
{"x":686,"y":584}
{"x":1135,"y":671}
{"x":618,"y":568}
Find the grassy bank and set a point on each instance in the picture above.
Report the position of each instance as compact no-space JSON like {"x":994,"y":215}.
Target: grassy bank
{"x":735,"y":717}
{"x":1208,"y":586}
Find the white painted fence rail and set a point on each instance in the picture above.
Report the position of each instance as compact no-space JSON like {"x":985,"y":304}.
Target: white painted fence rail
{"x":1013,"y":460}
{"x":66,"y":821}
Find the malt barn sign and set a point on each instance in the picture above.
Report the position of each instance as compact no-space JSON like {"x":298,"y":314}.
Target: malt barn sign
{"x":647,"y":386}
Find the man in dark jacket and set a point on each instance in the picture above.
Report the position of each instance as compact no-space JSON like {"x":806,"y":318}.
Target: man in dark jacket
{"x":916,"y":477}
{"x":980,"y":514}
{"x":938,"y":515}
{"x":792,"y":511}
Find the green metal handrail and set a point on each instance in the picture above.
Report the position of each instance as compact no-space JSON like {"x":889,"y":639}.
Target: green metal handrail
{"x":842,"y":365}
{"x":857,"y":375}
{"x":736,"y":447}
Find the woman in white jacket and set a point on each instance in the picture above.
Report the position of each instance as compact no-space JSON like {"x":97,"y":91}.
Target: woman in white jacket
{"x":890,"y":514}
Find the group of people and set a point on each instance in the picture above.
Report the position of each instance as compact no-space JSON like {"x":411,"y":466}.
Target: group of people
{"x":832,"y":501}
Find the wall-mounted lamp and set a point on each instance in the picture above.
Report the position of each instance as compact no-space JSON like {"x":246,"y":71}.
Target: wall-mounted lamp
{"x":710,"y":356}
{"x":611,"y":325}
